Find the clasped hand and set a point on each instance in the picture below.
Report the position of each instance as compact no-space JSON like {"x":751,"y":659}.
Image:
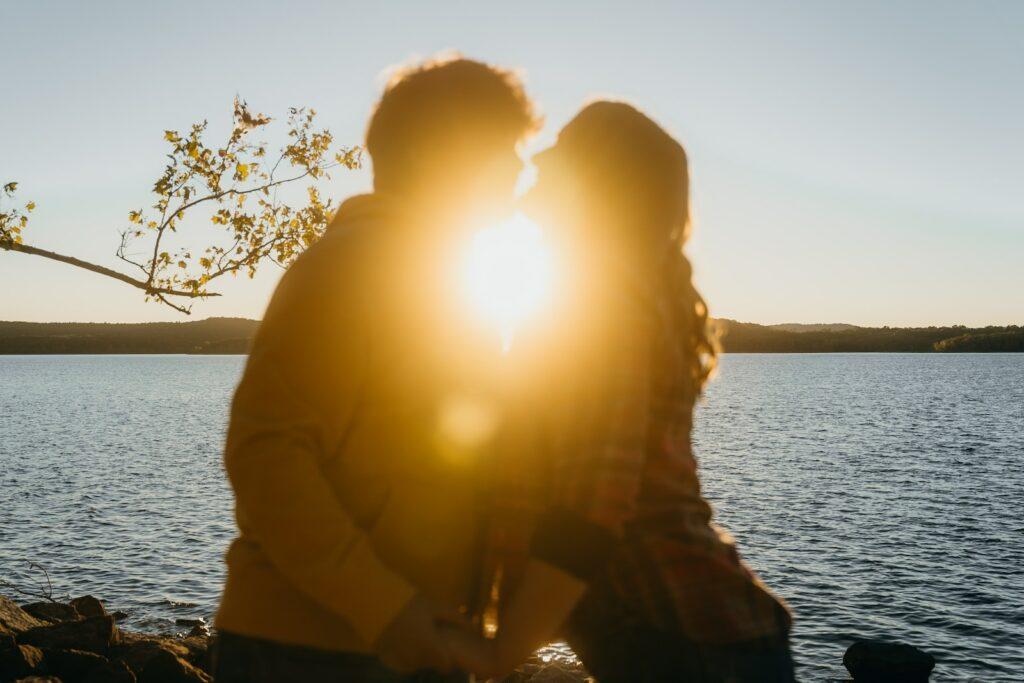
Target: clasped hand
{"x":426,"y":636}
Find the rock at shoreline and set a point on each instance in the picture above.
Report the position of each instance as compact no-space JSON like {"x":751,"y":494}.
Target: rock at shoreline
{"x":872,"y":661}
{"x":199,"y":627}
{"x":79,"y":643}
{"x":14,"y":619}
{"x":92,"y":634}
{"x":78,"y":665}
{"x":155,"y":659}
{"x":52,"y":612}
{"x":165,"y":667}
{"x":88,"y":606}
{"x":19,"y":660}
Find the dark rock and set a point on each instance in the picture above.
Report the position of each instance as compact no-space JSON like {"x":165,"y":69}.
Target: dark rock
{"x":88,"y":606}
{"x":111,"y":672}
{"x":138,"y":650}
{"x":165,"y":667}
{"x":119,"y":615}
{"x":84,"y":667}
{"x":872,"y":661}
{"x":72,"y":665}
{"x":19,"y":660}
{"x":94,"y":634}
{"x":52,"y":612}
{"x":199,"y":630}
{"x":14,"y":620}
{"x":198,"y":651}
{"x":39,"y":679}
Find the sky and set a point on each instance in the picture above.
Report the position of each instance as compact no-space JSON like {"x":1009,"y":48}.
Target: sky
{"x":851,"y":162}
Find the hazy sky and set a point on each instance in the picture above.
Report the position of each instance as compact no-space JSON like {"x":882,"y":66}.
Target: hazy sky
{"x":859,"y":162}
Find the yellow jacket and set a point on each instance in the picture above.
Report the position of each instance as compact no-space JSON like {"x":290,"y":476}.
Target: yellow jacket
{"x":354,"y":489}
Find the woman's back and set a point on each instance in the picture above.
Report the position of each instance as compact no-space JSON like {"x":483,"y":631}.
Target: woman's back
{"x":675,"y":566}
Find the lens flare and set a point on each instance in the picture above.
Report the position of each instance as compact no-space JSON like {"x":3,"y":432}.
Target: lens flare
{"x":508,"y":273}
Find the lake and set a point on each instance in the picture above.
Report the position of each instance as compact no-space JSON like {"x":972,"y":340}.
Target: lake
{"x":881,"y":494}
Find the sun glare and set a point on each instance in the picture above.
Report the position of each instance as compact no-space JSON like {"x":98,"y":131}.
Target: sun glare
{"x":508,"y":273}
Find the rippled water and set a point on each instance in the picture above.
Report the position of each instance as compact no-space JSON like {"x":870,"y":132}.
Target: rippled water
{"x":881,"y":494}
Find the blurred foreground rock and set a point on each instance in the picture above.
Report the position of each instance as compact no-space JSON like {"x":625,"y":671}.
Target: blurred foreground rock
{"x":872,"y":661}
{"x":51,"y":642}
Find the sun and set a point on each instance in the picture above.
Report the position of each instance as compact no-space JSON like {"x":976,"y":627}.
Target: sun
{"x":508,"y":273}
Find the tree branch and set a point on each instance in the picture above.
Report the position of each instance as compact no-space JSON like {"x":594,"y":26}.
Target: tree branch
{"x":235,"y":193}
{"x":102,"y":270}
{"x":196,"y":174}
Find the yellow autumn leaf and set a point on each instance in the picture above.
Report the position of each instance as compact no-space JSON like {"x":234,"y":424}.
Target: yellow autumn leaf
{"x":30,"y":206}
{"x":243,"y":171}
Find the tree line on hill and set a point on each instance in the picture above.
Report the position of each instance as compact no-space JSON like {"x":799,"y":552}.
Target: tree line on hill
{"x":233,"y":336}
{"x":740,"y":337}
{"x":213,"y":335}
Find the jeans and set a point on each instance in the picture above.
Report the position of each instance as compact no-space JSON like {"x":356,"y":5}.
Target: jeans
{"x":241,"y":659}
{"x":618,"y":647}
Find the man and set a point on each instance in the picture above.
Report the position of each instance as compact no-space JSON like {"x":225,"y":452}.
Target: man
{"x":354,"y":493}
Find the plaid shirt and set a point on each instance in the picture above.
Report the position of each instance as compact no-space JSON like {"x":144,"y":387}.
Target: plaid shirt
{"x":612,"y":446}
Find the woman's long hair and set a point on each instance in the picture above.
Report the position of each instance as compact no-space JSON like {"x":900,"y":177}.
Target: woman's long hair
{"x":641,"y":175}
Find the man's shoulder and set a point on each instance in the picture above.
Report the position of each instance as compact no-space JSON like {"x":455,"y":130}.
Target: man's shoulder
{"x":352,"y":247}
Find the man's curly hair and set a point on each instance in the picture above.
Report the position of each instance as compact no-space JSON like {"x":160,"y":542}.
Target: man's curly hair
{"x":425,"y":106}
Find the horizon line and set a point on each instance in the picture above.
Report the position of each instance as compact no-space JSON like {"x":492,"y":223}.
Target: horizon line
{"x":712,"y":318}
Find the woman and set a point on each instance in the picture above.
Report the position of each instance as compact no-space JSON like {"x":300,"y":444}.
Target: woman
{"x":600,"y":533}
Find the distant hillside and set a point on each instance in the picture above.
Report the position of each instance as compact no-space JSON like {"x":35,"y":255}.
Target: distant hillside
{"x":740,"y":337}
{"x":213,"y":335}
{"x":233,"y":335}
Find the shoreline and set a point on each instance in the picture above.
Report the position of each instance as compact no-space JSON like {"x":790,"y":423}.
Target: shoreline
{"x":80,"y":641}
{"x":50,"y":641}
